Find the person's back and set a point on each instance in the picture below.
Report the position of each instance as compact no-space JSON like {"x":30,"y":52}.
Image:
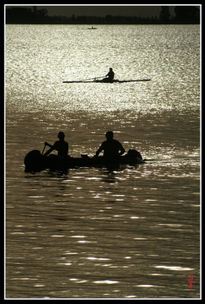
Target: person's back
{"x":110,"y":76}
{"x":61,"y":146}
{"x":112,"y":148}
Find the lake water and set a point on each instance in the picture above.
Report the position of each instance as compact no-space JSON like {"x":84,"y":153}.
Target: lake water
{"x":133,"y":233}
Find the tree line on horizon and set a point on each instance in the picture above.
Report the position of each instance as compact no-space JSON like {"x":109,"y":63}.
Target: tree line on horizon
{"x":32,"y":15}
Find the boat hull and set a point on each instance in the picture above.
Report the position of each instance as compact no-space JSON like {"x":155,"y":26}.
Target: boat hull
{"x":120,"y":81}
{"x":105,"y":81}
{"x":34,"y":161}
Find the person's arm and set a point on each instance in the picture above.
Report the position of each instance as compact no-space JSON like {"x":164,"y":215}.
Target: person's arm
{"x":67,"y":148}
{"x":47,"y":144}
{"x":99,"y":150}
{"x":49,"y":151}
{"x":121,"y":149}
{"x":52,"y":147}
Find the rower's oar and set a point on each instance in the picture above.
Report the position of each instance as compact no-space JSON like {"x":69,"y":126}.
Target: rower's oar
{"x":43,"y":149}
{"x":93,"y":78}
{"x":82,"y":80}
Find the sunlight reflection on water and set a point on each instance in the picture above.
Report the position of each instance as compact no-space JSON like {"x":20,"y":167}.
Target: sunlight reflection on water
{"x":91,"y":233}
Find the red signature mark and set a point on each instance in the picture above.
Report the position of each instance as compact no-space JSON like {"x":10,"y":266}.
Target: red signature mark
{"x":191,"y":281}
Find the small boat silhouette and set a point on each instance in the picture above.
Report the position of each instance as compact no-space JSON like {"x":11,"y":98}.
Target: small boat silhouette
{"x":92,"y":28}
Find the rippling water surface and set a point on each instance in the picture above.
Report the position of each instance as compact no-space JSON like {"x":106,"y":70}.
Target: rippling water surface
{"x":132,"y":233}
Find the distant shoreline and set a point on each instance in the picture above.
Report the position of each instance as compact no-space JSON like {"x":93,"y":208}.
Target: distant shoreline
{"x":20,"y":15}
{"x":98,"y":24}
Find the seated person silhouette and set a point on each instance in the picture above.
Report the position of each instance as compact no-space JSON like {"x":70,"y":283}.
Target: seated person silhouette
{"x":110,"y":76}
{"x":61,"y":146}
{"x":112,"y":148}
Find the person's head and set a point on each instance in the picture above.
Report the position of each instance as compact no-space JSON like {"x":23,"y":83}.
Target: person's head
{"x":110,"y":69}
{"x":109,"y":135}
{"x":61,"y":135}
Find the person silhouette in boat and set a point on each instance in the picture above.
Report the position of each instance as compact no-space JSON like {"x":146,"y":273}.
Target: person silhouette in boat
{"x":61,"y":146}
{"x":110,"y":76}
{"x":112,"y":148}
